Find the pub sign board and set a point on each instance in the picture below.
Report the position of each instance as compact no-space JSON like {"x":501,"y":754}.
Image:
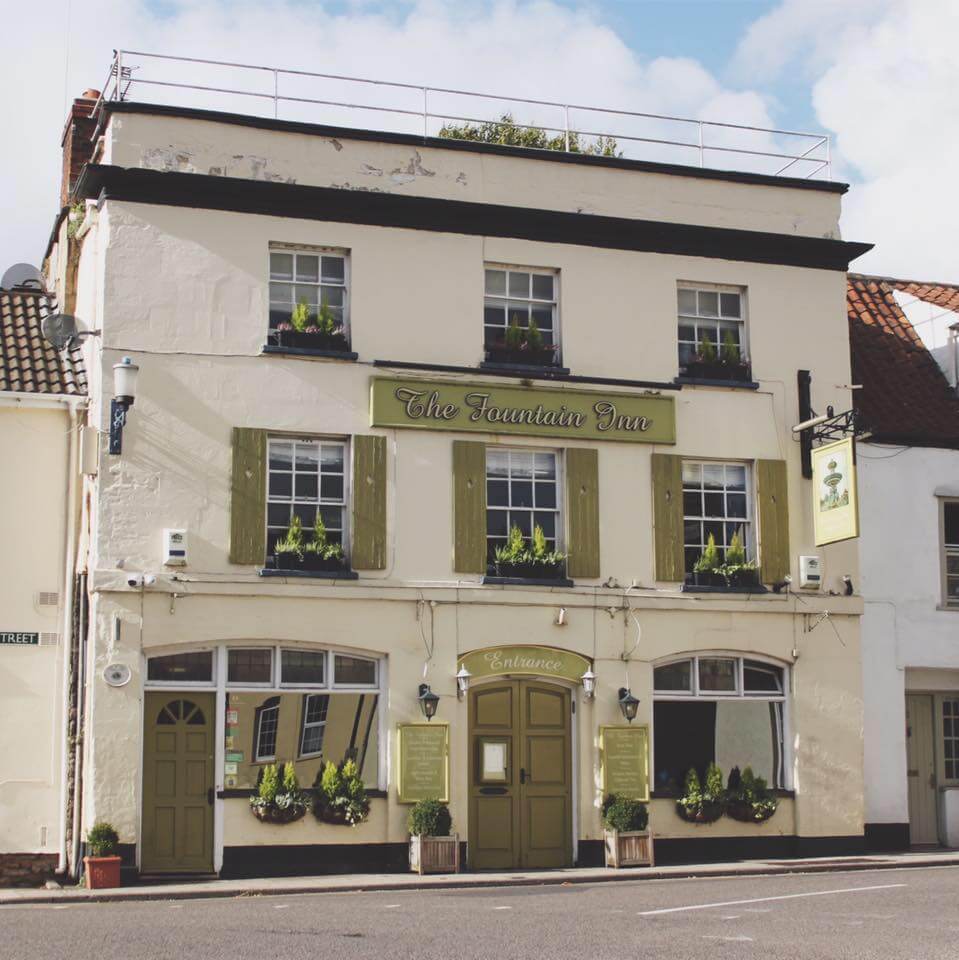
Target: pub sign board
{"x":835,"y":496}
{"x":524,"y":411}
{"x":424,"y":762}
{"x":19,"y":639}
{"x":624,"y":759}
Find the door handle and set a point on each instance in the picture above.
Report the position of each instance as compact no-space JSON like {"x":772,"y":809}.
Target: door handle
{"x":209,"y":796}
{"x":523,"y":775}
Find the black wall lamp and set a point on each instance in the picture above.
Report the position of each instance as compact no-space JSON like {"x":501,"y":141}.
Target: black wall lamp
{"x":124,"y":393}
{"x":428,"y":701}
{"x":628,"y":704}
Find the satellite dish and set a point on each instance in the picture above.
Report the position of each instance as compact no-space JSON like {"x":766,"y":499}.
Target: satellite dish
{"x":117,"y":674}
{"x":22,"y":275}
{"x":59,"y":329}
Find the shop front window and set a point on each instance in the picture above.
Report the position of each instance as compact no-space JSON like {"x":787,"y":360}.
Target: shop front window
{"x":716,"y":709}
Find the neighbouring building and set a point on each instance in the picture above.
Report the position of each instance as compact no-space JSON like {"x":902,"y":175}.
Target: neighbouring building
{"x":42,"y":399}
{"x":427,"y":343}
{"x":909,"y":500}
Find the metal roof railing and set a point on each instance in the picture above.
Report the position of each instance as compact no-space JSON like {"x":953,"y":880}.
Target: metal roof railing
{"x":337,"y":100}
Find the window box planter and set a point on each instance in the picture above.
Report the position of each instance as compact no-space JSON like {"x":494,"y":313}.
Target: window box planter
{"x":528,"y":571}
{"x":630,"y":848}
{"x":274,"y":814}
{"x":435,"y":854}
{"x":743,"y":580}
{"x":747,"y":813}
{"x":309,"y":563}
{"x":332,"y":343}
{"x":102,"y":873}
{"x":501,"y":355}
{"x":717,"y":370}
{"x":709,"y":811}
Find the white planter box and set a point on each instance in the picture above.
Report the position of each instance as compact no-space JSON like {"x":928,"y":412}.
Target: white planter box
{"x":435,"y":854}
{"x":633,"y":848}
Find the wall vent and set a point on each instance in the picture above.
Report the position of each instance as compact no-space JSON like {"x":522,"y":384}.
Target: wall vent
{"x":48,"y":598}
{"x":49,"y":639}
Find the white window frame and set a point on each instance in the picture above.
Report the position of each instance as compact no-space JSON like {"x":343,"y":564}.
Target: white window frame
{"x":347,"y":446}
{"x":311,"y":725}
{"x":748,"y":523}
{"x":249,"y":684}
{"x":530,"y":300}
{"x":261,"y":712}
{"x":945,"y":552}
{"x":559,"y":509}
{"x":354,"y":686}
{"x":698,"y":319}
{"x":180,"y":684}
{"x":313,"y":251}
{"x":311,"y":685}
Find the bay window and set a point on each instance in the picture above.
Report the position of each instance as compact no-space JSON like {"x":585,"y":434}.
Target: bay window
{"x":718,"y":709}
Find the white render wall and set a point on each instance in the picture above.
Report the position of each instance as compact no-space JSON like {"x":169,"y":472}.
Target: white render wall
{"x":903,"y":628}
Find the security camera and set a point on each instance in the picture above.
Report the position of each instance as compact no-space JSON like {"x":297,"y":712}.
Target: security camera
{"x":134,"y":579}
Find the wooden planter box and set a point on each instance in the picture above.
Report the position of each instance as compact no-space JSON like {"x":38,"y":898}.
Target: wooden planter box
{"x":102,"y":873}
{"x":435,"y":854}
{"x":633,"y":848}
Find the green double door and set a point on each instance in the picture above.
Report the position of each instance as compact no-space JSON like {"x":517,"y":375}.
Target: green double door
{"x":520,"y":809}
{"x":178,"y":749}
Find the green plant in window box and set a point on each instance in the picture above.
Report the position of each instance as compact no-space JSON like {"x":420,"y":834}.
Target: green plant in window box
{"x":703,"y":802}
{"x":319,"y":553}
{"x":288,"y":550}
{"x":102,"y":865}
{"x":522,"y":345}
{"x":313,"y":332}
{"x":712,"y":570}
{"x":748,"y":797}
{"x":278,"y":797}
{"x":340,"y":795}
{"x":726,"y":363}
{"x":531,"y":560}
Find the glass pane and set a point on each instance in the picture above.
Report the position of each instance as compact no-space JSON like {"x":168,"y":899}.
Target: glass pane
{"x":762,"y":677}
{"x":729,"y":304}
{"x":496,"y":523}
{"x":331,"y":458}
{"x":715,"y":505}
{"x":713,"y":476}
{"x":687,"y":302}
{"x":692,"y":474}
{"x":717,"y":675}
{"x":307,"y":456}
{"x":281,"y":484}
{"x":497,"y":463}
{"x":333,"y":521}
{"x":307,"y":267}
{"x":249,"y":666}
{"x":281,"y":294}
{"x":687,"y":333}
{"x":306,"y":486}
{"x":306,"y":512}
{"x":544,"y":465}
{"x":952,"y":564}
{"x":307,"y":293}
{"x":302,"y":666}
{"x":691,"y":531}
{"x":334,"y":269}
{"x":545,"y":495}
{"x":331,"y":487}
{"x":354,"y":670}
{"x":277,"y":514}
{"x":521,"y":519}
{"x":496,"y":283}
{"x":281,"y":456}
{"x":494,"y":314}
{"x":521,"y":493}
{"x":543,"y":317}
{"x":749,"y":734}
{"x":332,"y":296}
{"x":692,"y":504}
{"x":518,"y":284}
{"x":542,"y":286}
{"x":497,"y":493}
{"x":546,"y":520}
{"x":735,"y":476}
{"x":518,"y":312}
{"x":182,"y":667}
{"x":708,"y":303}
{"x":950,"y":515}
{"x":674,"y":676}
{"x":521,"y":465}
{"x":736,"y":505}
{"x":281,"y":266}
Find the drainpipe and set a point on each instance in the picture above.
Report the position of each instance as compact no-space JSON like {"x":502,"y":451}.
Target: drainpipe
{"x":81,"y":720}
{"x":66,"y":633}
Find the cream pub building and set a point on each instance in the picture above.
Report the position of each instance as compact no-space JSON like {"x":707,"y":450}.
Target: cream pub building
{"x":421,"y":442}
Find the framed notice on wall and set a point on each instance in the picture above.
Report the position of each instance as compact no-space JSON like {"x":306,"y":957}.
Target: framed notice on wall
{"x":624,"y":760}
{"x":835,"y":501}
{"x":423,"y":751}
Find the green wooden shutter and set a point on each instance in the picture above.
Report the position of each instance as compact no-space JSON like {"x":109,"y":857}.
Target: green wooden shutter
{"x":248,"y":497}
{"x":582,"y":505}
{"x":668,"y":516}
{"x":773,"y":497}
{"x":369,"y":503}
{"x":469,"y":506}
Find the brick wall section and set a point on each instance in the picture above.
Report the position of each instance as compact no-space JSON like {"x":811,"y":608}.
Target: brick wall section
{"x":26,"y":869}
{"x":77,"y":143}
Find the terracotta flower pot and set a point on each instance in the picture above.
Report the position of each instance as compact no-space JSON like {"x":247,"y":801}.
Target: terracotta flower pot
{"x":102,"y":873}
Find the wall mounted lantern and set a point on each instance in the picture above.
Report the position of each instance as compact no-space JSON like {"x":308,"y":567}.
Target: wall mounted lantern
{"x":589,"y":683}
{"x":428,"y":701}
{"x":124,"y":393}
{"x":628,"y":704}
{"x":462,"y":681}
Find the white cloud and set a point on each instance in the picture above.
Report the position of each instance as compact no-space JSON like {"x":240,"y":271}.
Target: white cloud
{"x":532,"y":48}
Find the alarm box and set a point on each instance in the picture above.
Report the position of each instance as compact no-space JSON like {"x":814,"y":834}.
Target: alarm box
{"x":174,"y":548}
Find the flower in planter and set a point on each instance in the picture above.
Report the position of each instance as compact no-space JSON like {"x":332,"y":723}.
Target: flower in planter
{"x":735,"y":569}
{"x":340,"y":795}
{"x":278,"y":797}
{"x":624,"y":814}
{"x":748,"y":797}
{"x":533,"y":560}
{"x":429,"y":818}
{"x":523,"y":345}
{"x":703,"y":802}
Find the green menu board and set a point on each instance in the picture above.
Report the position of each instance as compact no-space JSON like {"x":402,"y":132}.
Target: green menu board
{"x":424,"y":762}
{"x":624,"y":755}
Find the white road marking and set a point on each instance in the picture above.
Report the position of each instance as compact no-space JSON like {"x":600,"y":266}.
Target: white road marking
{"x":280,"y":906}
{"x":502,"y":908}
{"x":391,"y":906}
{"x":786,"y":896}
{"x":176,"y":906}
{"x":733,"y":917}
{"x":732,"y":939}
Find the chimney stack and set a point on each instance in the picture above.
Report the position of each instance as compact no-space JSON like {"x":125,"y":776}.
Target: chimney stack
{"x":77,"y":141}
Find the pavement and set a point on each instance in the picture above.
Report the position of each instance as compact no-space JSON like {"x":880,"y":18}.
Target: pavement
{"x":352,"y":883}
{"x":856,"y":913}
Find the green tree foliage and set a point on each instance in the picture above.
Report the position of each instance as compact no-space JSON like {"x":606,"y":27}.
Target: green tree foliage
{"x":506,"y":131}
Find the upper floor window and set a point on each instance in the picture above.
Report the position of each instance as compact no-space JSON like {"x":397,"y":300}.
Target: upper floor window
{"x":717,"y":523}
{"x":306,"y":519}
{"x":523,"y":528}
{"x":712,"y":334}
{"x":520,"y":316}
{"x":309,"y":299}
{"x":950,"y":552}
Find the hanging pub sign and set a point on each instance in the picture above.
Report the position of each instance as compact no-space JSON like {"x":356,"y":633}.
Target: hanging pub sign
{"x":624,"y":760}
{"x":525,"y":661}
{"x":526,"y":411}
{"x":424,"y":762}
{"x":19,"y":639}
{"x":835,"y":499}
